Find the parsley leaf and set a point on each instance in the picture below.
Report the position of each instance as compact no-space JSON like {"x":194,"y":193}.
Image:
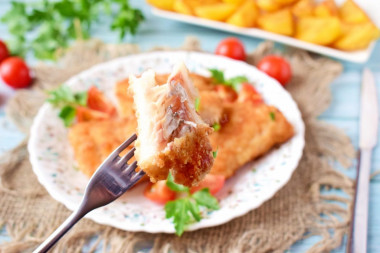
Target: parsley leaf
{"x":178,"y":210}
{"x":197,"y":104}
{"x":217,"y":76}
{"x":216,"y":127}
{"x":174,"y":186}
{"x":214,"y":153}
{"x":127,"y":19}
{"x":64,"y":98}
{"x":234,"y":82}
{"x":67,"y":114}
{"x":47,"y":26}
{"x":272,"y":116}
{"x":194,"y":209}
{"x":204,"y":198}
{"x":186,"y":210}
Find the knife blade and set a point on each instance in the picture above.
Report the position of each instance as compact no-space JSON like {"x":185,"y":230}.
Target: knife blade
{"x":369,"y":115}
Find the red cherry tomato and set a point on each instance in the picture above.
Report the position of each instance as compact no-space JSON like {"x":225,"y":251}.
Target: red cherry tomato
{"x":15,"y":72}
{"x":213,"y":182}
{"x":276,"y":67}
{"x":97,"y":101}
{"x":249,"y":93}
{"x":232,"y":48}
{"x":159,"y":192}
{"x":4,"y":53}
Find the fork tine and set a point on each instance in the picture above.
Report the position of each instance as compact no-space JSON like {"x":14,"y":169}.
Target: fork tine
{"x":123,"y":146}
{"x":123,"y":160}
{"x":137,"y":176}
{"x":129,"y":169}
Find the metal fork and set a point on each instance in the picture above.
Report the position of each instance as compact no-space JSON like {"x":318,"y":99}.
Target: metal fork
{"x":113,"y":177}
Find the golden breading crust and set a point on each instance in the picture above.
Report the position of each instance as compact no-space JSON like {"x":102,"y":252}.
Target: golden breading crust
{"x":251,"y":131}
{"x":172,"y":137}
{"x":93,"y":141}
{"x":189,"y":155}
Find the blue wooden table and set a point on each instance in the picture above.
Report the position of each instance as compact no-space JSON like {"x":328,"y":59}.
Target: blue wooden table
{"x":343,"y":112}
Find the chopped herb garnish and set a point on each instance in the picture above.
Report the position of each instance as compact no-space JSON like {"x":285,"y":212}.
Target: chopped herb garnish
{"x":67,"y":101}
{"x":67,"y":114}
{"x":214,"y":153}
{"x":186,"y":210}
{"x":216,"y":126}
{"x":217,"y":75}
{"x":174,"y":186}
{"x":197,"y":104}
{"x":234,"y":82}
{"x":272,"y":116}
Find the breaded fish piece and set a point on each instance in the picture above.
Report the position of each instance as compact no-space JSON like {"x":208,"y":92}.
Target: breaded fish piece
{"x":93,"y":141}
{"x":210,"y":107}
{"x":250,"y":132}
{"x":125,"y":99}
{"x":171,"y":135}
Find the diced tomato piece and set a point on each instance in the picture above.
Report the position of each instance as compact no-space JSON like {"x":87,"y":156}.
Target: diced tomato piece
{"x":159,"y":192}
{"x":213,"y":182}
{"x":226,"y":93}
{"x":86,"y":114}
{"x":97,"y":101}
{"x":249,"y":93}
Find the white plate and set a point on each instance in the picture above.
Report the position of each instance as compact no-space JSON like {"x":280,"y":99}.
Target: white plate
{"x":370,"y":6}
{"x":53,"y":161}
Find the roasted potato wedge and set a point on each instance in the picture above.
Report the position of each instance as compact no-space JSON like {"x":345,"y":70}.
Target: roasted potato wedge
{"x":268,"y":5}
{"x":303,"y":8}
{"x":162,"y":4}
{"x":321,"y":31}
{"x":285,"y":2}
{"x":246,"y":15}
{"x":233,"y":1}
{"x":218,"y":11}
{"x":181,"y":6}
{"x":352,"y":13}
{"x":278,"y":22}
{"x":357,"y":36}
{"x":326,"y":8}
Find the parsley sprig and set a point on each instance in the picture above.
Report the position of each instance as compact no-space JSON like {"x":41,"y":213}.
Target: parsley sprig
{"x":46,"y":26}
{"x":234,"y":82}
{"x":67,"y":101}
{"x":187,"y":210}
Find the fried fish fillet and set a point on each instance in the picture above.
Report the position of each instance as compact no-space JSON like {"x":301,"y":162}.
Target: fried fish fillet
{"x":125,"y":99}
{"x":250,"y":132}
{"x":93,"y":141}
{"x":247,"y":131}
{"x":171,"y":135}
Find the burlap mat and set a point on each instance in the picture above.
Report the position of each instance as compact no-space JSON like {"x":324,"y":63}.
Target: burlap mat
{"x":296,"y":211}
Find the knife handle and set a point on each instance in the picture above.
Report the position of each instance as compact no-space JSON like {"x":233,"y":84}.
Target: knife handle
{"x":361,"y":204}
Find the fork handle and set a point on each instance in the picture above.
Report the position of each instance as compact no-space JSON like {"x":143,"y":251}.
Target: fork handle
{"x":61,"y":230}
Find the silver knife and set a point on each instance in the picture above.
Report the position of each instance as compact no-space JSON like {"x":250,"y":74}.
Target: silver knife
{"x":369,"y":116}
